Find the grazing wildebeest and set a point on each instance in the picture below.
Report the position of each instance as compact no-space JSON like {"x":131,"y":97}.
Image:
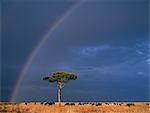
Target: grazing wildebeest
{"x":81,"y":103}
{"x":92,"y":104}
{"x":46,"y":103}
{"x":72,"y":104}
{"x":51,"y":103}
{"x":130,"y":104}
{"x":107,"y":103}
{"x":66,"y":103}
{"x":98,"y":104}
{"x":147,"y":104}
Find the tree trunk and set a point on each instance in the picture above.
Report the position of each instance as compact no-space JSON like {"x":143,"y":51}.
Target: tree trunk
{"x":59,"y":96}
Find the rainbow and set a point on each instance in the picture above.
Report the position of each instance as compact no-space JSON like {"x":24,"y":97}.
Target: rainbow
{"x":40,"y":43}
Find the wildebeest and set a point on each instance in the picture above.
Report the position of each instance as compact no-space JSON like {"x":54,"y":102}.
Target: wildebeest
{"x":81,"y":103}
{"x":92,"y":104}
{"x":67,"y":103}
{"x":71,"y":104}
{"x":49,"y":103}
{"x":46,"y":103}
{"x":147,"y":104}
{"x":130,"y":104}
{"x":107,"y":103}
{"x":98,"y":104}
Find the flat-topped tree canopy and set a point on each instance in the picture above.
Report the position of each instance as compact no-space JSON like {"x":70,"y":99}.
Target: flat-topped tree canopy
{"x":62,"y":77}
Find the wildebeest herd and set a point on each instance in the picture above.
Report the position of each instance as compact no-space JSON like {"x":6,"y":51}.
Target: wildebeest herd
{"x":85,"y":103}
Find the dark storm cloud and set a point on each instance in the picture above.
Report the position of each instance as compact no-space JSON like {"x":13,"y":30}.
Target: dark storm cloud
{"x":106,"y":44}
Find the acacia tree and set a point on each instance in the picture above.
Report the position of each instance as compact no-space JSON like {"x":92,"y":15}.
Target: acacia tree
{"x":61,"y":78}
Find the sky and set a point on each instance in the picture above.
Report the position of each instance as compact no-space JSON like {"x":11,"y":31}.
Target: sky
{"x":104,"y":42}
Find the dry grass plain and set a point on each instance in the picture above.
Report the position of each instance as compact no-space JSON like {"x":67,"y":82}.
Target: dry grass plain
{"x":105,"y":107}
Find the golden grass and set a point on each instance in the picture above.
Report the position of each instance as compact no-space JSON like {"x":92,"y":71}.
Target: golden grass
{"x":32,"y":107}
